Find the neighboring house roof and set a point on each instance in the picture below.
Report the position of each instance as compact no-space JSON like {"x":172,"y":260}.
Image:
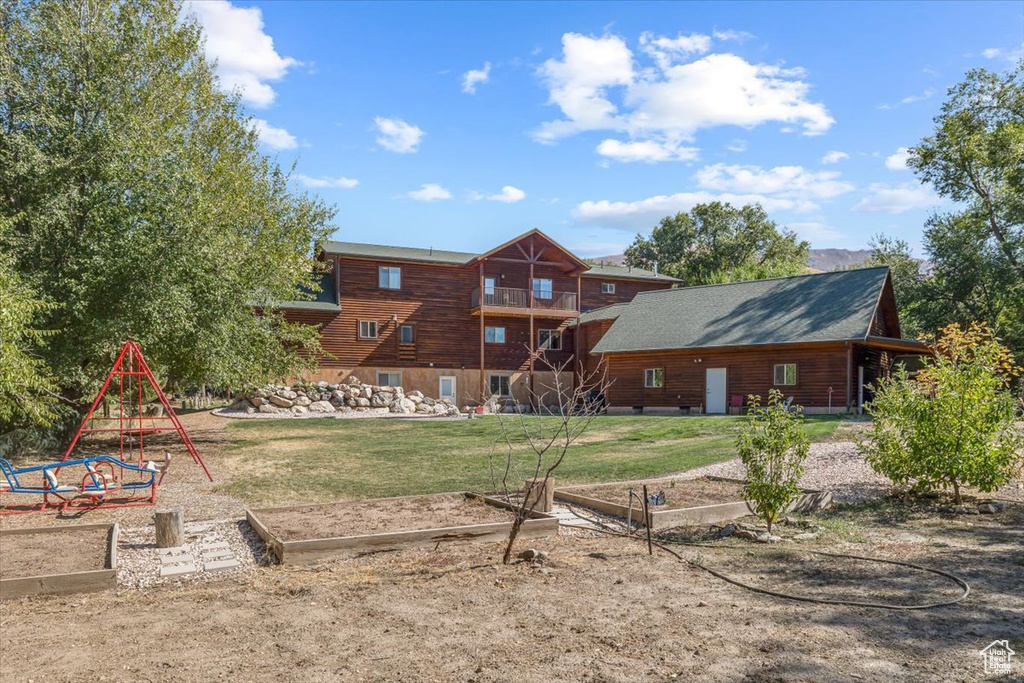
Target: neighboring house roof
{"x":324,"y":300}
{"x":310,"y":306}
{"x":610,"y":270}
{"x":837,"y":306}
{"x":380,"y":251}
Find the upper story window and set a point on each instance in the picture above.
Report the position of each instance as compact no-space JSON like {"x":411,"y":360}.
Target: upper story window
{"x":549,"y":339}
{"x":542,"y":288}
{"x":494,"y":335}
{"x":490,"y":284}
{"x":654,"y":378}
{"x":785,"y":374}
{"x":368,"y":329}
{"x":607,"y":287}
{"x":389,"y":277}
{"x":406,"y":334}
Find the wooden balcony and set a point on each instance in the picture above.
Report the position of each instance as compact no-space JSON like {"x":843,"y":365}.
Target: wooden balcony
{"x":516,"y":302}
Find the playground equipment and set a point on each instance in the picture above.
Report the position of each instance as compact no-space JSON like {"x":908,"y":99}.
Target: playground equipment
{"x":103,"y":482}
{"x":132,"y":419}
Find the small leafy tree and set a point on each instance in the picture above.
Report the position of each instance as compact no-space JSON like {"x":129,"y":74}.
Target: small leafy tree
{"x":953,"y":424}
{"x":773,"y":448}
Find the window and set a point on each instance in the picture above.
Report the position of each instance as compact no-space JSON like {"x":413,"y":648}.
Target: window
{"x":406,"y":334}
{"x":494,"y":335}
{"x":654,"y":378}
{"x":389,"y":277}
{"x":499,"y":385}
{"x":368,"y":329}
{"x":490,"y":283}
{"x":549,"y":339}
{"x":785,"y":374}
{"x":607,"y":287}
{"x":542,"y":288}
{"x":389,"y":379}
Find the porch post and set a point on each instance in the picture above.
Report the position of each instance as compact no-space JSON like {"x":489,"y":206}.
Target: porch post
{"x":849,"y":376}
{"x":531,"y":345}
{"x":483,"y":390}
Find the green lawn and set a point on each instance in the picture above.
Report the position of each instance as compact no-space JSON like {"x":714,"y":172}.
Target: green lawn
{"x":318,"y":460}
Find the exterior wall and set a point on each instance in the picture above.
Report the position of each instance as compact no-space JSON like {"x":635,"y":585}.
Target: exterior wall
{"x":748,"y":371}
{"x":625,"y":290}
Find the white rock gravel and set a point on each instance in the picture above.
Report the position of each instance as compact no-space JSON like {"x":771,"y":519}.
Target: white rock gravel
{"x":349,"y":415}
{"x":138,"y":560}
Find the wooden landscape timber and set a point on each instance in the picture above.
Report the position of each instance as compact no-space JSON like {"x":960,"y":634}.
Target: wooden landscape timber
{"x":88,"y":581}
{"x":306,"y":551}
{"x":809,"y":501}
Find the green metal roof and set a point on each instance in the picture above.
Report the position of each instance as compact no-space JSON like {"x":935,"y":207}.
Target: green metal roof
{"x":309,"y":306}
{"x":834,"y":306}
{"x":380,"y":251}
{"x":608,"y":270}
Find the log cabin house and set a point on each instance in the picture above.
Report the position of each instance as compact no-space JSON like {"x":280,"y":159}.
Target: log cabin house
{"x":821,"y":339}
{"x":458,"y":325}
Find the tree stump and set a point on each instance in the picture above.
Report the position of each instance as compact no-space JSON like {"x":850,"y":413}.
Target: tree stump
{"x":544,"y":495}
{"x":170,"y":528}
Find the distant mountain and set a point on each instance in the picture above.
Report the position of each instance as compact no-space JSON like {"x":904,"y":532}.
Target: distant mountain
{"x":820,"y":260}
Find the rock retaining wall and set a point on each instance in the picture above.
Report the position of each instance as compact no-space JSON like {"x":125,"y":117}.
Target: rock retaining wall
{"x":349,"y":396}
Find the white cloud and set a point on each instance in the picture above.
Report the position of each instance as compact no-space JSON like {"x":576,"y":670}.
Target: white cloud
{"x":429,"y":192}
{"x":310,"y":182}
{"x":471,"y":78}
{"x":245,"y":54}
{"x":643,"y":213}
{"x":731,"y":34}
{"x":991,"y":53}
{"x":790,"y":182}
{"x":815,"y":232}
{"x":398,"y":136}
{"x":273,"y":137}
{"x":834,"y":157}
{"x":597,"y":85}
{"x":737,"y":145}
{"x":909,"y":99}
{"x":508,"y":195}
{"x":646,"y":150}
{"x":898,"y":161}
{"x":1009,"y":55}
{"x":886,"y":199}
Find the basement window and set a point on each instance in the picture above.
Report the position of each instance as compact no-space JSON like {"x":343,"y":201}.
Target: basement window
{"x":654,"y":378}
{"x":367,"y":329}
{"x":785,"y":374}
{"x":607,"y":287}
{"x":389,"y":379}
{"x":499,"y":385}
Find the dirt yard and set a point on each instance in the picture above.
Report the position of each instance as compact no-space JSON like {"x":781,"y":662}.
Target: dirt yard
{"x":43,"y":554}
{"x":375,"y":517}
{"x":679,"y":493}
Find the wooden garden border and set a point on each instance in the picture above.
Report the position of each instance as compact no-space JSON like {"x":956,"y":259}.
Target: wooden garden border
{"x":311,"y":550}
{"x":810,"y":500}
{"x":64,"y":584}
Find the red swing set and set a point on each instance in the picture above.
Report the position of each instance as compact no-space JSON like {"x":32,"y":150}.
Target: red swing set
{"x":133,"y":423}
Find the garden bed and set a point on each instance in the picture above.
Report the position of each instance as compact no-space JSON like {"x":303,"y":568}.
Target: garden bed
{"x":704,"y":500}
{"x":307,"y":533}
{"x":58,"y":560}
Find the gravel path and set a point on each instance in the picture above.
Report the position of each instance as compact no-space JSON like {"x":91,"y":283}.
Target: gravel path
{"x":380,"y":413}
{"x":835,"y":465}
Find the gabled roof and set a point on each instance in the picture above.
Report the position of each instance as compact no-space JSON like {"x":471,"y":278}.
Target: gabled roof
{"x":324,"y":300}
{"x":535,"y":233}
{"x":380,"y":251}
{"x":610,"y":270}
{"x":825,"y":307}
{"x":610,"y":312}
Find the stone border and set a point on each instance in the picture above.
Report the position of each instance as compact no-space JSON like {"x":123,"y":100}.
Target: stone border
{"x":809,"y":501}
{"x":64,"y":584}
{"x":306,"y":551}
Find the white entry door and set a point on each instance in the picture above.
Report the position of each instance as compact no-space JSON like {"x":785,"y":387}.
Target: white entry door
{"x":447,"y":389}
{"x":715,"y":381}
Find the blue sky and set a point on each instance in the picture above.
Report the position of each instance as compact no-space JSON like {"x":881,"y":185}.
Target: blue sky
{"x":460,"y":125}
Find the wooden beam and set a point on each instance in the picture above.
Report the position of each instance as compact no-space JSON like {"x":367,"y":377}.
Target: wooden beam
{"x":483,"y":390}
{"x":532,"y":341}
{"x":521,"y":250}
{"x":849,"y":375}
{"x":557,"y":264}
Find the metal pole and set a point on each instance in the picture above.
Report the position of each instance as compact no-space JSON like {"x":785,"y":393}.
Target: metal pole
{"x":647,"y":523}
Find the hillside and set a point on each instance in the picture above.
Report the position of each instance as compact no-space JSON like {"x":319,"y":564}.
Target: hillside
{"x":820,"y":260}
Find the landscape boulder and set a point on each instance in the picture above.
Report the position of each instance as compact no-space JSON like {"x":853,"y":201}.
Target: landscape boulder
{"x":321,"y":407}
{"x":281,"y":401}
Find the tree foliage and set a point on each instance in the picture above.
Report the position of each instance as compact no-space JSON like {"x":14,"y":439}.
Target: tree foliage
{"x":139,"y":203}
{"x":773,"y":448}
{"x":716,"y":243}
{"x":953,"y":424}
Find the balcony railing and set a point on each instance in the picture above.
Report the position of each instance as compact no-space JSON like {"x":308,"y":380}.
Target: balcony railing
{"x":509,"y":297}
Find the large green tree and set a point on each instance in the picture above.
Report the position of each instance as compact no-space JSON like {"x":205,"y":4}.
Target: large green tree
{"x":139,"y":203}
{"x":716,"y":243}
{"x":976,"y":253}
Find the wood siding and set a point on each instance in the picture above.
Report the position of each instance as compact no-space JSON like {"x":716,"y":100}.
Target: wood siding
{"x":625,"y":290}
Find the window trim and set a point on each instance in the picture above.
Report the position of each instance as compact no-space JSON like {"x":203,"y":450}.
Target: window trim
{"x":376,"y":329}
{"x":784,"y":383}
{"x":552,"y":334}
{"x":658,"y":377}
{"x":504,"y":335}
{"x":607,"y":287}
{"x":396,"y":373}
{"x":540,"y":293}
{"x":380,"y":277}
{"x":508,"y":384}
{"x":401,"y":328}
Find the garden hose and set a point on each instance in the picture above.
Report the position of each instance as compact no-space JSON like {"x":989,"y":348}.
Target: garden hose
{"x":662,"y":544}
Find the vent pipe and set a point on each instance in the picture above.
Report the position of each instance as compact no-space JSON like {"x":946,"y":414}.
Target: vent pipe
{"x":655,"y":269}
